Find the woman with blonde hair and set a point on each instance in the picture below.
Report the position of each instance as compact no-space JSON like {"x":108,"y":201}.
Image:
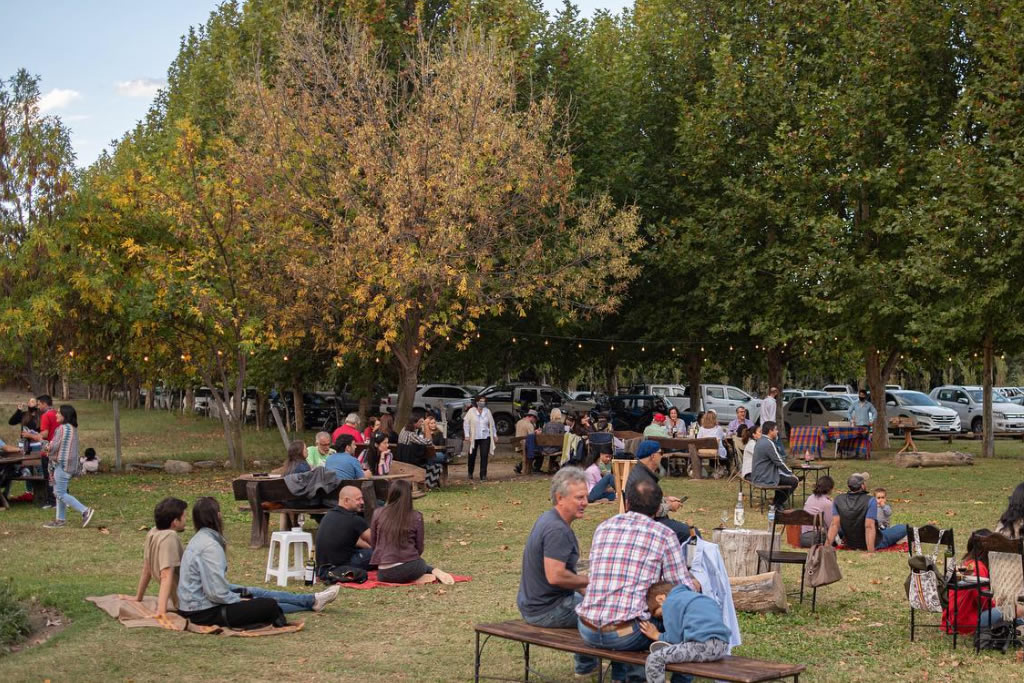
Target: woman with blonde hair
{"x":556,"y":425}
{"x":709,"y":428}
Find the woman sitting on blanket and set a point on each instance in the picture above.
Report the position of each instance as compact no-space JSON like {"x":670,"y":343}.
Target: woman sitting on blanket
{"x":396,"y":535}
{"x":205,"y":596}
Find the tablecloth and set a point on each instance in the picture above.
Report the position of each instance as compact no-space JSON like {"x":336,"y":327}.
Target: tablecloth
{"x":805,"y":438}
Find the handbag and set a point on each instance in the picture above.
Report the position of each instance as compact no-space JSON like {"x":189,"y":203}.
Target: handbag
{"x":926,"y":588}
{"x":822,"y":566}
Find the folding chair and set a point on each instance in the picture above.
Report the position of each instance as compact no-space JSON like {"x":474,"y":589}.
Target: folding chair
{"x":1006,"y":577}
{"x":930,"y":535}
{"x":772,"y":556}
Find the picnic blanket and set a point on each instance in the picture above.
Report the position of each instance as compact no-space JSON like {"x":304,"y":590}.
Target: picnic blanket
{"x":806,"y":438}
{"x":134,"y":614}
{"x":372,"y":582}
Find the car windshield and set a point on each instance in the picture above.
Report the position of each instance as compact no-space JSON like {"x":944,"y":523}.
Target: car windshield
{"x":976,"y":395}
{"x":915,"y":398}
{"x":837,"y":403}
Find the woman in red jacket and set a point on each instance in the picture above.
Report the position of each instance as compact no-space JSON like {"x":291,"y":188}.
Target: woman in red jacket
{"x":968,"y":605}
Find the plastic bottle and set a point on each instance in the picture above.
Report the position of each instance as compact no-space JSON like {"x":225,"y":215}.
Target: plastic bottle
{"x":771,"y":516}
{"x":310,"y":568}
{"x":737,"y":515}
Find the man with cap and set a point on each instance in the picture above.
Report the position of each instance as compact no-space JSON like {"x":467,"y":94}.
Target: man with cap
{"x":648,"y":455}
{"x":657,"y":427}
{"x":526,"y":429}
{"x":854,"y":518}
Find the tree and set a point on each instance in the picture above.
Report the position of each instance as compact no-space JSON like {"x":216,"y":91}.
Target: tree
{"x":418,"y":202}
{"x":36,"y":189}
{"x":971,"y":231}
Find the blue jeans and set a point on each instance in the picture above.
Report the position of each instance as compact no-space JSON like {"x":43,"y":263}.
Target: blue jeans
{"x":61,"y":479}
{"x":563,"y":615}
{"x":289,"y":602}
{"x":611,"y":640}
{"x":361,"y":558}
{"x":994,"y":616}
{"x":891,"y":536}
{"x":604,"y":488}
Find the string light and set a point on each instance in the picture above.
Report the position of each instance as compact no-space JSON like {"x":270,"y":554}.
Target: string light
{"x":477,"y":335}
{"x":71,"y":353}
{"x":613,"y":347}
{"x":286,"y":359}
{"x":643,"y":348}
{"x":545,"y":342}
{"x":579,"y":346}
{"x":673,"y":349}
{"x":145,"y":359}
{"x":513,"y":340}
{"x":110,"y":358}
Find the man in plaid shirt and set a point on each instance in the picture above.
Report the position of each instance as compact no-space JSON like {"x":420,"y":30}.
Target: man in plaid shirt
{"x":630,"y":552}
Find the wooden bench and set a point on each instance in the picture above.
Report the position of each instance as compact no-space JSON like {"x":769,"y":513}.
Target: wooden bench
{"x":20,"y":462}
{"x":543,"y":440}
{"x":762,"y":490}
{"x":742,"y":669}
{"x":692,"y":448}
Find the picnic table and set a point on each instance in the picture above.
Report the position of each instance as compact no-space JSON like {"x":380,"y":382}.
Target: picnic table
{"x":693,"y":448}
{"x":272,"y":489}
{"x":31,"y":460}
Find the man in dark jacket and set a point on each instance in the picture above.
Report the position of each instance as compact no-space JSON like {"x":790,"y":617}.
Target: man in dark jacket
{"x":769,"y":467}
{"x":648,"y":455}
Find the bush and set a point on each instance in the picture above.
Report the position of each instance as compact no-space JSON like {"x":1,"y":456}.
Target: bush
{"x":13,"y":618}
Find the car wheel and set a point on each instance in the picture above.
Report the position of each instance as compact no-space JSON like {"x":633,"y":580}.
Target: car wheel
{"x":504,"y":424}
{"x":976,"y":425}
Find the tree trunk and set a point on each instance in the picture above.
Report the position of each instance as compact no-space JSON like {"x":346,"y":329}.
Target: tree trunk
{"x":190,"y":401}
{"x":759,"y":593}
{"x":300,"y":421}
{"x":65,"y":388}
{"x":877,"y":375}
{"x":408,"y":375}
{"x":739,"y":549}
{"x":260,"y":400}
{"x":926,"y":459}
{"x":611,"y":375}
{"x":776,"y":368}
{"x":150,"y":391}
{"x":988,"y":446}
{"x":694,"y":364}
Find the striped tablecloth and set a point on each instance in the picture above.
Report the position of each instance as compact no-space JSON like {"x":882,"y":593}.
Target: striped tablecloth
{"x":853,"y":441}
{"x":803,"y":439}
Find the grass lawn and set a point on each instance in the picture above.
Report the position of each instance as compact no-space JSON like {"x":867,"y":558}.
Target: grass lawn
{"x":859,"y":631}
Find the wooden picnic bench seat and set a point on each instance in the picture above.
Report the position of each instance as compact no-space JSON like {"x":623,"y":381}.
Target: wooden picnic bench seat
{"x":741,"y":669}
{"x":542,"y":440}
{"x":762,"y":490}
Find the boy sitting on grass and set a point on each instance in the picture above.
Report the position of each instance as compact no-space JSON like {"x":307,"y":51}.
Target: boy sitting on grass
{"x":694,"y":630}
{"x":162,"y":555}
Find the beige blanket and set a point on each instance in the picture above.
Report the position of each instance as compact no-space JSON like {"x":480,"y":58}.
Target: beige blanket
{"x":134,"y":614}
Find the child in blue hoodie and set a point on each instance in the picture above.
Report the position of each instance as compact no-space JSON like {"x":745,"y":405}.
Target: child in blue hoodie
{"x":694,"y":630}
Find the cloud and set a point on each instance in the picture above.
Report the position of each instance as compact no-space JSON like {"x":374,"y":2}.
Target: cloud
{"x":58,"y":98}
{"x":76,"y":117}
{"x":140,"y":87}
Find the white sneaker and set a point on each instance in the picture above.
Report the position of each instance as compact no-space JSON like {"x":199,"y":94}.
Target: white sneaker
{"x":659,"y":645}
{"x":325,"y":597}
{"x":87,"y":517}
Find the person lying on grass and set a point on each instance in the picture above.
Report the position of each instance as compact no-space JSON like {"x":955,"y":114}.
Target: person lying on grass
{"x":161,"y":557}
{"x":206,"y":598}
{"x":694,"y":629}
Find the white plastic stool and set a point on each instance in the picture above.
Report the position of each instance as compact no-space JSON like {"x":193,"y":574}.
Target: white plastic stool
{"x":295,"y":543}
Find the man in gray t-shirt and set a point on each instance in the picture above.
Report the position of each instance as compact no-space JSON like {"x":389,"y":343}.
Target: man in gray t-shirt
{"x":548,"y":589}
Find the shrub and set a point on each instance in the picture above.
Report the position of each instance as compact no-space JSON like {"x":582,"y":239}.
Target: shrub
{"x":13,"y":618}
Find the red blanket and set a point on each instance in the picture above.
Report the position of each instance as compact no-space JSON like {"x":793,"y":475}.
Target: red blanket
{"x":372,"y":582}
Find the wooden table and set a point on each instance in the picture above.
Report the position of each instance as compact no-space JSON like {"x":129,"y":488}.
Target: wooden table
{"x":739,"y":548}
{"x":692,"y":447}
{"x":31,"y":460}
{"x":272,"y":489}
{"x":908,"y":425}
{"x":807,"y":469}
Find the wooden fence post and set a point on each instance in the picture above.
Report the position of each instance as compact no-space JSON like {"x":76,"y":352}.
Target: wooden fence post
{"x":118,"y":465}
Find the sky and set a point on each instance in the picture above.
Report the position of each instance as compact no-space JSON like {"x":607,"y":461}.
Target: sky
{"x":101,"y":61}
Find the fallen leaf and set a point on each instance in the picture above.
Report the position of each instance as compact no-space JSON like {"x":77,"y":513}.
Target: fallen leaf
{"x":951,"y":513}
{"x":503,"y":547}
{"x":104,"y":530}
{"x":143,"y":528}
{"x":440,"y":591}
{"x":463,"y":542}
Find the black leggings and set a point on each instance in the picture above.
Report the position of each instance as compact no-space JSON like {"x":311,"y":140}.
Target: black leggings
{"x":483,"y":446}
{"x":243,"y":614}
{"x":407,"y":572}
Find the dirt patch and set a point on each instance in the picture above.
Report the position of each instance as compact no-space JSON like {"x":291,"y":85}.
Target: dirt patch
{"x":46,"y":622}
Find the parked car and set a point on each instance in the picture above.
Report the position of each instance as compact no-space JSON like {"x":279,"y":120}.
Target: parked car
{"x":967,"y":402}
{"x":722,"y":398}
{"x":816,"y":411}
{"x":789,"y":394}
{"x":434,"y":397}
{"x":931,"y":417}
{"x":1010,"y":392}
{"x":633,"y":412}
{"x":838,"y":389}
{"x":893,"y":387}
{"x":319,"y":411}
{"x":202,"y":399}
{"x":507,"y":403}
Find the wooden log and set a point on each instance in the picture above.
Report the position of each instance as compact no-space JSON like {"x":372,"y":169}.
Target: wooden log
{"x":739,"y":549}
{"x":759,"y":593}
{"x":926,"y":459}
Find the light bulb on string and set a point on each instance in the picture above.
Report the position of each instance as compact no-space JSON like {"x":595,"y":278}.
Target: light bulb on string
{"x":579,"y":346}
{"x":545,"y":342}
{"x":110,"y":358}
{"x":145,"y":359}
{"x":286,"y":359}
{"x":643,"y":348}
{"x":513,"y":340}
{"x":613,"y":347}
{"x":673,"y":349}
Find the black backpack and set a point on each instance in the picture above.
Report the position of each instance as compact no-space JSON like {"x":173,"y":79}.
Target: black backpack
{"x":998,"y":636}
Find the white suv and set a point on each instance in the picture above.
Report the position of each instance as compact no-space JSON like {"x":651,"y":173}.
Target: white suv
{"x":967,"y":402}
{"x":931,"y":417}
{"x":445,"y":399}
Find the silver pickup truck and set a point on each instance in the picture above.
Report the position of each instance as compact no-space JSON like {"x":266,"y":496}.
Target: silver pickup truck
{"x":506,"y":403}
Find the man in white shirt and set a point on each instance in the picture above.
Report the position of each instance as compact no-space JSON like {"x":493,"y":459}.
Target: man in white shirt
{"x":479,"y":432}
{"x":770,"y":406}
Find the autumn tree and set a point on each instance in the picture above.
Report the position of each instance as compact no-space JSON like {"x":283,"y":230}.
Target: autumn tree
{"x":418,"y":201}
